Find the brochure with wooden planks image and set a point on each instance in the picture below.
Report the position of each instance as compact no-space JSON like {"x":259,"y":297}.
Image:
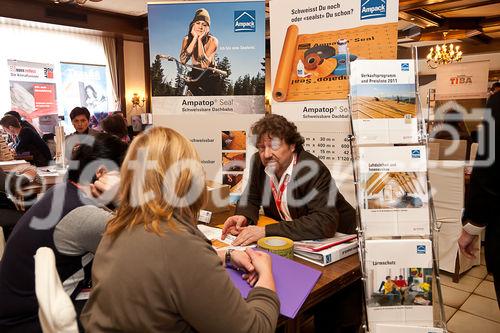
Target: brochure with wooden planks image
{"x":393,"y":191}
{"x":399,"y":282}
{"x":384,"y":101}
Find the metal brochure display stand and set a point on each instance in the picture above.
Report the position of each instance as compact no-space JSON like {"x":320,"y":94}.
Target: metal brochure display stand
{"x":439,"y":316}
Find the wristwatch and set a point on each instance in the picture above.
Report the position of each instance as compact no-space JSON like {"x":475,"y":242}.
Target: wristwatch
{"x":227,"y":259}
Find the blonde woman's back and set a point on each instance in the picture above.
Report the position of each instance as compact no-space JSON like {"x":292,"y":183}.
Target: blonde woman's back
{"x":174,"y":282}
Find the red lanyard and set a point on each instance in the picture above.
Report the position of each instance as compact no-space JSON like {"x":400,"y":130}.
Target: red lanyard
{"x":279,"y":195}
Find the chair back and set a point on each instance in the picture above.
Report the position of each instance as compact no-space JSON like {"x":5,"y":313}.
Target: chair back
{"x":455,"y":150}
{"x":56,"y":311}
{"x":447,"y":186}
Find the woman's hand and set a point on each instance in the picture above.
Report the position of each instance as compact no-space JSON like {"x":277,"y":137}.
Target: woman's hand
{"x":262,"y":263}
{"x":106,"y":187}
{"x":205,"y":32}
{"x":194,"y":33}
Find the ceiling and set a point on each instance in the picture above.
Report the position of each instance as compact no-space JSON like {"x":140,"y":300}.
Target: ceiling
{"x":419,"y":19}
{"x":473,"y":23}
{"x":128,"y":7}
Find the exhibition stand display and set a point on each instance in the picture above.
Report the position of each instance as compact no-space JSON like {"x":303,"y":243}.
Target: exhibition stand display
{"x":396,"y":219}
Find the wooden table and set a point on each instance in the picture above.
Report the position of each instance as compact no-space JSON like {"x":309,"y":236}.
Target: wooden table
{"x":334,"y":278}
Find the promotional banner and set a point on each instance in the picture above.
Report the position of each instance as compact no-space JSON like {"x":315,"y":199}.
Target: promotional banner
{"x":84,"y":85}
{"x":311,"y":43}
{"x":33,"y":92}
{"x":383,"y":101}
{"x":464,"y":80}
{"x":207,"y":57}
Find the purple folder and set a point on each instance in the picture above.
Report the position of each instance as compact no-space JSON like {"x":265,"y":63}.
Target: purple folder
{"x":293,"y":281}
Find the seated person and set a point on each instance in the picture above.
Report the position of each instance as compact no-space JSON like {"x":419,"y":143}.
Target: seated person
{"x":304,"y":196}
{"x":22,"y":122}
{"x":28,"y":142}
{"x":64,"y":219}
{"x":154,"y":271}
{"x":401,"y":282}
{"x":115,"y":125}
{"x":80,"y":118}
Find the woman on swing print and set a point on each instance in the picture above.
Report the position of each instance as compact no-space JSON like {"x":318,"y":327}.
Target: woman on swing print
{"x":200,"y":47}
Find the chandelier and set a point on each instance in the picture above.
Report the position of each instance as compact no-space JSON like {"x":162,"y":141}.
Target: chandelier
{"x":444,"y":54}
{"x":78,"y":2}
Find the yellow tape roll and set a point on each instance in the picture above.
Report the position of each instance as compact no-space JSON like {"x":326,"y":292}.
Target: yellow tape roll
{"x":278,"y":245}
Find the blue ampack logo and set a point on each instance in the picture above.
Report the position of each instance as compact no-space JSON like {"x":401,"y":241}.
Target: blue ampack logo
{"x":415,"y":153}
{"x":421,"y":249}
{"x":405,"y":67}
{"x":244,"y":21}
{"x":373,"y":9}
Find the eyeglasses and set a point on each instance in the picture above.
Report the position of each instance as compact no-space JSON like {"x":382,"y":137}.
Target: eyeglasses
{"x":274,"y":144}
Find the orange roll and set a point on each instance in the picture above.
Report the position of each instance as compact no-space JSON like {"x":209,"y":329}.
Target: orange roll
{"x":285,"y":65}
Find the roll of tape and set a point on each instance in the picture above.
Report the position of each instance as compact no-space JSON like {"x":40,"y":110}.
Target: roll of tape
{"x":278,"y":245}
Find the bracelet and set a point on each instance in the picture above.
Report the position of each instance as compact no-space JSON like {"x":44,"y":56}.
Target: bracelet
{"x":227,"y":259}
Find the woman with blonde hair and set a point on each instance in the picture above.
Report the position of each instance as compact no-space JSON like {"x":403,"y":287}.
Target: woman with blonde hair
{"x":154,"y":271}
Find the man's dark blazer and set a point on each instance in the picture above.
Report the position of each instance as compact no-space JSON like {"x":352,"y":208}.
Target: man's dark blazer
{"x":482,"y":204}
{"x":320,"y":217}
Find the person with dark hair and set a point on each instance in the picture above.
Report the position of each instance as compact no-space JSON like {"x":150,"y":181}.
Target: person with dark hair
{"x":200,"y":47}
{"x":68,"y":220}
{"x":22,"y":122}
{"x":28,"y":142}
{"x":115,"y":125}
{"x":80,"y":118}
{"x":295,"y":188}
{"x":453,"y":127}
{"x":282,"y":163}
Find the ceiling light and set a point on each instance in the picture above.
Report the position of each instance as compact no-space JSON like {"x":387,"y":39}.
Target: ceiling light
{"x":443,"y":54}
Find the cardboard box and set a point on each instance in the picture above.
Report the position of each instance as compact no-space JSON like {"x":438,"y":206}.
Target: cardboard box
{"x":218,"y":197}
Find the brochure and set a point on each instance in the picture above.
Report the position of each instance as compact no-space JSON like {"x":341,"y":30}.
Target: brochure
{"x":385,"y":328}
{"x":399,"y":282}
{"x":322,"y":244}
{"x":384,"y":101}
{"x":329,"y":255}
{"x":214,"y":236}
{"x":393,"y":191}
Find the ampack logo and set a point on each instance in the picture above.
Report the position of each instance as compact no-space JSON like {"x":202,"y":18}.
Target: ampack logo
{"x":460,"y":79}
{"x":415,"y":153}
{"x":372,"y":9}
{"x":405,"y":67}
{"x":244,"y":21}
{"x":421,"y":249}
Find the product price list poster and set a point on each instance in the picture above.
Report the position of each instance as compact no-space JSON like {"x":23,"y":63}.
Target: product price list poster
{"x":309,"y":59}
{"x":223,"y":40}
{"x":383,"y":94}
{"x":328,"y":141}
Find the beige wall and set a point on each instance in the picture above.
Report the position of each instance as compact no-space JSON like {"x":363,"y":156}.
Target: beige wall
{"x":134,"y":75}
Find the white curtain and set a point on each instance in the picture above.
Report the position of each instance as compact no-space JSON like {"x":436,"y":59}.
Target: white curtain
{"x":52,"y":44}
{"x":110,"y":51}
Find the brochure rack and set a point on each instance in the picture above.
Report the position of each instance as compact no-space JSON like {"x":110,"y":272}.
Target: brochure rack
{"x":392,"y":310}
